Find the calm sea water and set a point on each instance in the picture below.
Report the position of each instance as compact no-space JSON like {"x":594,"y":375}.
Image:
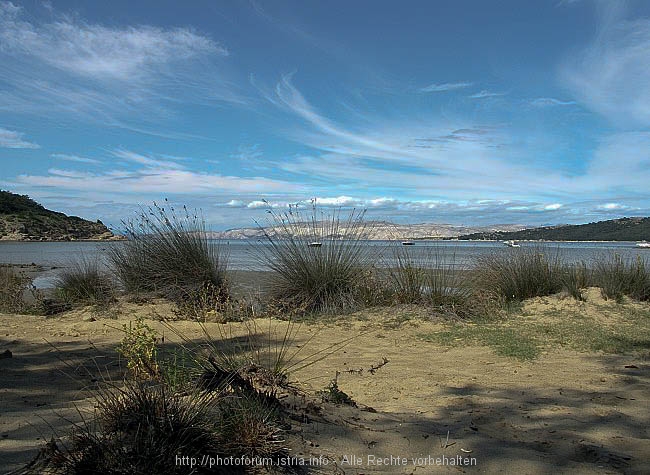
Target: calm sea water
{"x":242,"y":253}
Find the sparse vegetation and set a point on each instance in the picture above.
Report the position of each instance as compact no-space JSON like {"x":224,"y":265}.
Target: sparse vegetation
{"x":525,"y":340}
{"x":319,"y":261}
{"x":333,"y":394}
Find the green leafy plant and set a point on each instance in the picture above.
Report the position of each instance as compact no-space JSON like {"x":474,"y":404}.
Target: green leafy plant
{"x":139,"y":348}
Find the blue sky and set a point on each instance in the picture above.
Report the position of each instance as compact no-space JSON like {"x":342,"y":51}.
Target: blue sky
{"x":465,"y":112}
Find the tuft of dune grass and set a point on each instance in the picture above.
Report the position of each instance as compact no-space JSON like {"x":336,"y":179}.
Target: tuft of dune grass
{"x":325,"y":278}
{"x":170,"y":256}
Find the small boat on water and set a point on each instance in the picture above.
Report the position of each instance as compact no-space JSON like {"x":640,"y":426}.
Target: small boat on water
{"x":408,"y":243}
{"x":643,"y":244}
{"x":511,"y":243}
{"x":315,"y":244}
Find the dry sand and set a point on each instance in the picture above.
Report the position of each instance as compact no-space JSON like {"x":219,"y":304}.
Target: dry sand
{"x":565,"y":412}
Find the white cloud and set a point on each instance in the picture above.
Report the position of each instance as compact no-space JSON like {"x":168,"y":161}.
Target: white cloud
{"x":155,"y":182}
{"x":258,"y":204}
{"x":485,"y":94}
{"x":337,"y":201}
{"x":450,"y":86}
{"x":550,"y":101}
{"x":611,"y":76}
{"x":153,"y":176}
{"x":74,"y":158}
{"x":248,"y":153}
{"x":99,"y":52}
{"x":552,"y":207}
{"x":12,"y":139}
{"x":612,"y":206}
{"x":149,"y":162}
{"x":109,"y":74}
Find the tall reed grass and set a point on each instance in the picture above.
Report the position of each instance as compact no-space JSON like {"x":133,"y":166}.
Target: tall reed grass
{"x":320,"y":261}
{"x":170,"y":256}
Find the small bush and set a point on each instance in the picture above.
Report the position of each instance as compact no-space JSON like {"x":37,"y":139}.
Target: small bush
{"x":170,"y":256}
{"x":319,"y":261}
{"x":518,"y":274}
{"x":618,"y":277}
{"x":85,"y":282}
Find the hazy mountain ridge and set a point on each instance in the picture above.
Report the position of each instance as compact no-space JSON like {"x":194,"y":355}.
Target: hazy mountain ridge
{"x":23,"y":219}
{"x":622,"y":229}
{"x":383,"y":230}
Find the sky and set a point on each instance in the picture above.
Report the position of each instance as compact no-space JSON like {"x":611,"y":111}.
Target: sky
{"x":461,"y":112}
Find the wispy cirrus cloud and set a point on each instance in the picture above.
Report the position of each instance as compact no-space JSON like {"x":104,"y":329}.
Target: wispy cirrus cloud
{"x":550,"y":101}
{"x":99,"y":52}
{"x":74,"y":158}
{"x":610,"y":76}
{"x":453,"y":160}
{"x":147,"y":161}
{"x":445,"y":87}
{"x":142,"y":174}
{"x":108,"y":74}
{"x":13,"y":139}
{"x":485,"y":94}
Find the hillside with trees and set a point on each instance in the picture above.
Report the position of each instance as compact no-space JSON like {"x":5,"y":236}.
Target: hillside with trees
{"x":623,"y":229}
{"x":23,"y":219}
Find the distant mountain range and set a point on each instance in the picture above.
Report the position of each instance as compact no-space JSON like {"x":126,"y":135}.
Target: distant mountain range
{"x":623,"y":229}
{"x":23,"y":219}
{"x":383,"y":230}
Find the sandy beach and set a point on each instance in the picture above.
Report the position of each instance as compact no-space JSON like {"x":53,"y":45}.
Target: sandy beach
{"x":566,"y":411}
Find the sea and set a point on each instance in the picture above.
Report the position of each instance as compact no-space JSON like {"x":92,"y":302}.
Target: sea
{"x":244,"y":254}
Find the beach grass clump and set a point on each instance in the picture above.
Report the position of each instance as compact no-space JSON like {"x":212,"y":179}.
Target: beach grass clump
{"x":170,"y":256}
{"x":426,"y":276}
{"x":140,"y":428}
{"x":575,"y":278}
{"x":319,"y":260}
{"x":518,"y":274}
{"x":85,"y":282}
{"x":618,"y":277}
{"x":250,"y":425}
{"x":13,"y":286}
